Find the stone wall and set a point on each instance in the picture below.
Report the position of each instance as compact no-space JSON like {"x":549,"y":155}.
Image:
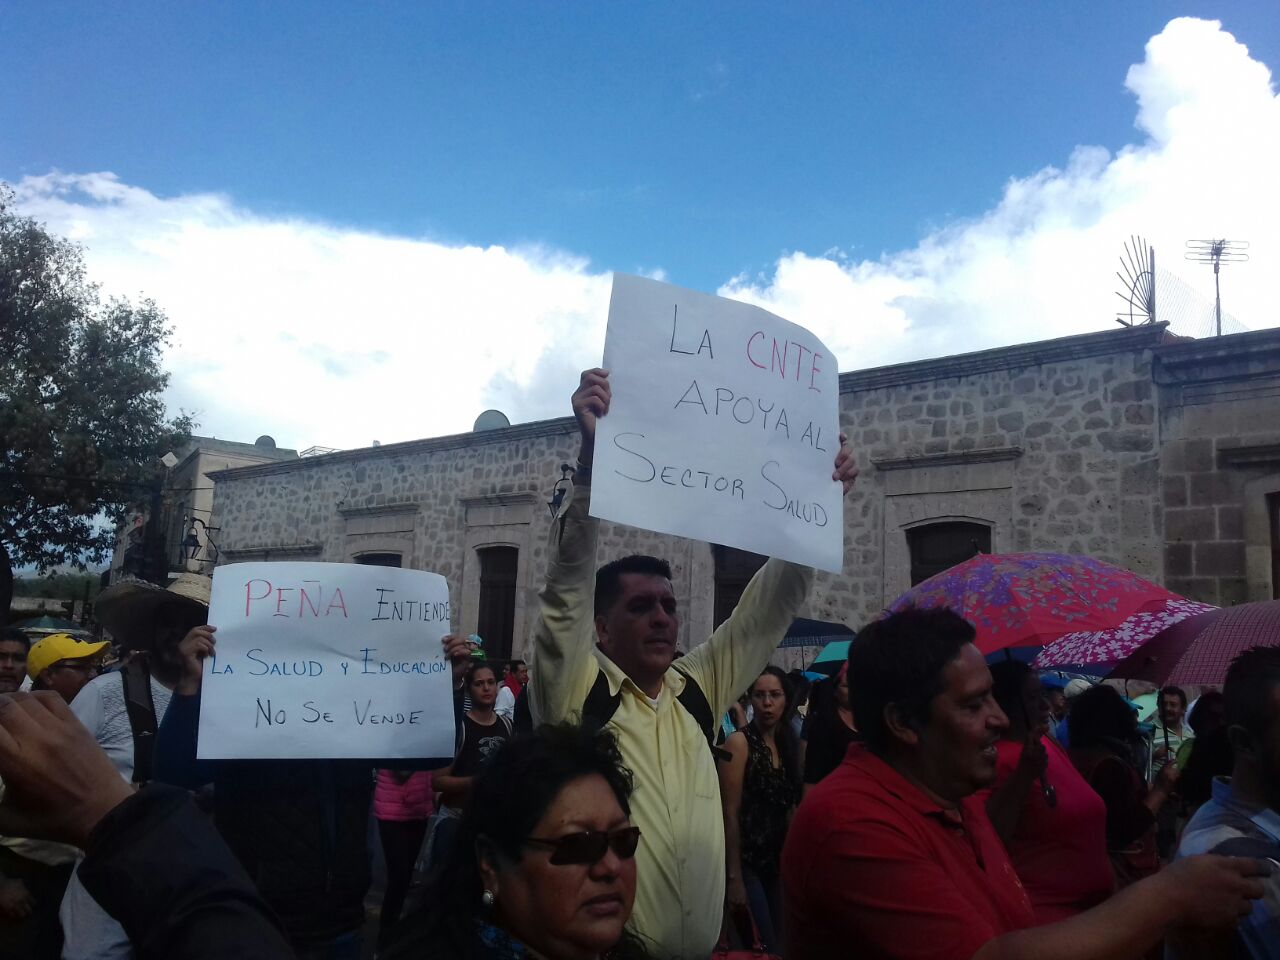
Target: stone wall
{"x":1220,"y":403}
{"x":1053,"y":446}
{"x":1103,"y":444}
{"x":437,"y":503}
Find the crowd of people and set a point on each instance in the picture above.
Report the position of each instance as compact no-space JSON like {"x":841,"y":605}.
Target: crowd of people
{"x":926,"y":805}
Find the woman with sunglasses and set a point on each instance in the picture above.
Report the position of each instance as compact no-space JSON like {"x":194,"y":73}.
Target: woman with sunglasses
{"x":544,"y":861}
{"x":759,"y":789}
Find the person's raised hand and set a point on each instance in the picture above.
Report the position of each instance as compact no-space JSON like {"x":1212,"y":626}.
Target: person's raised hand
{"x":590,"y":403}
{"x":846,"y":471}
{"x":1035,"y":758}
{"x":194,"y":648}
{"x":1213,"y":891}
{"x":58,"y":782}
{"x":16,"y":902}
{"x":458,"y":654}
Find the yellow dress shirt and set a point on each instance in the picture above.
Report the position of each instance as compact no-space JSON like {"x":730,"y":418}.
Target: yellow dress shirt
{"x":680,"y":869}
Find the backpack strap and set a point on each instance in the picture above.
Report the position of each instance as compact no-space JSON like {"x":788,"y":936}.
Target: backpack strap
{"x":695,"y":701}
{"x":142,"y":716}
{"x":600,"y":706}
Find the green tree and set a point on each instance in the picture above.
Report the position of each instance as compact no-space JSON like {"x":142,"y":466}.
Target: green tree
{"x":59,"y":586}
{"x":82,"y":418}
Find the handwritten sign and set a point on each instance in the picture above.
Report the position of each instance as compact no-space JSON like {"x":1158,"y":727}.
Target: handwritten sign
{"x":724,"y":425}
{"x":327,"y":660}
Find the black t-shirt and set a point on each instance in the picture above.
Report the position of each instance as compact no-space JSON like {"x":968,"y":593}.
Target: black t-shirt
{"x":479,"y":742}
{"x":827,"y":741}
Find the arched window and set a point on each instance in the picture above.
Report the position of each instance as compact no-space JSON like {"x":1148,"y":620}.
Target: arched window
{"x":380,"y":559}
{"x":734,"y":570}
{"x":939,"y":546}
{"x":497,"y":620}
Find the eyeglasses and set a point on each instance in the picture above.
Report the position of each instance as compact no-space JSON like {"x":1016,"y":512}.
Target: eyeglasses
{"x":13,"y":658}
{"x":769,"y":695}
{"x":590,"y":846}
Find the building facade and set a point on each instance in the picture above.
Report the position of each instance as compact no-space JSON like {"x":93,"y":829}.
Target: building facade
{"x":1157,"y":454}
{"x":186,"y":533}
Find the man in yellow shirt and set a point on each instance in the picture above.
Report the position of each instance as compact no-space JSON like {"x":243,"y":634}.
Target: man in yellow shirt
{"x":604,"y":648}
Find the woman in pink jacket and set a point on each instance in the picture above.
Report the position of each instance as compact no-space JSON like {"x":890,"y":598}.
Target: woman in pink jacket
{"x":402,"y":803}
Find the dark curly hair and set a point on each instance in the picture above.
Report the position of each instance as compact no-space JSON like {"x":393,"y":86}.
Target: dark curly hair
{"x":508,"y":797}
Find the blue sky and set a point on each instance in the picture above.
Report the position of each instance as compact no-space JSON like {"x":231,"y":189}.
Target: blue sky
{"x":706,"y":139}
{"x":321,"y":195}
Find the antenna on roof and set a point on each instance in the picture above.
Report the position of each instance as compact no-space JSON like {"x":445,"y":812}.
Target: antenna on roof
{"x":1217,"y":252}
{"x":1139,"y":280}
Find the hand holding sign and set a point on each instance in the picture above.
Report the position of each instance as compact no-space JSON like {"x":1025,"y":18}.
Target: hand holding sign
{"x":194,"y":648}
{"x":590,"y":402}
{"x":721,"y":426}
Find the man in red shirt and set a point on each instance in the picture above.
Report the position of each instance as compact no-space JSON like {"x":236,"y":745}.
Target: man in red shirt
{"x":892,"y":855}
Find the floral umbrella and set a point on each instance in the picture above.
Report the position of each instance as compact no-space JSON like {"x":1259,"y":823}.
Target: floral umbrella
{"x":1034,"y":599}
{"x":1199,"y":650}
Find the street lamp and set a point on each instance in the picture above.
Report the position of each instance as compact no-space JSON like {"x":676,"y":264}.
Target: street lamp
{"x":560,"y":488}
{"x":191,"y":543}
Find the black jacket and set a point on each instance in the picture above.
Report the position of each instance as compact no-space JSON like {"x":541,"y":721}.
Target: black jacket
{"x":300,"y":828}
{"x":158,"y":867}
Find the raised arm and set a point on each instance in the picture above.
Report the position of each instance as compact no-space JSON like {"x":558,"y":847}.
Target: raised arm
{"x":740,"y":648}
{"x":176,"y":738}
{"x":564,"y":638}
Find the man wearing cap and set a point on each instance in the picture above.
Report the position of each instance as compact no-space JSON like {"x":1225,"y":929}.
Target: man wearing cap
{"x":34,"y":873}
{"x":123,"y":711}
{"x":63,"y":664}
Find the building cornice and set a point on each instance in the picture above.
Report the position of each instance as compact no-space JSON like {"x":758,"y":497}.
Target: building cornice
{"x":523,"y":431}
{"x":1018,"y":357}
{"x":952,"y":459}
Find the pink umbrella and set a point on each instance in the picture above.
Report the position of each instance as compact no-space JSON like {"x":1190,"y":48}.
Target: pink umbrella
{"x":1199,"y":650}
{"x":1085,"y":647}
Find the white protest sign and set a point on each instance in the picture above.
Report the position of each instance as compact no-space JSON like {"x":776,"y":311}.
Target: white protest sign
{"x":724,"y":425}
{"x":327,"y":660}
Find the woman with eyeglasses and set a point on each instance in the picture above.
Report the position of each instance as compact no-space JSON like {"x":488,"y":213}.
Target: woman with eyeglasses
{"x":759,"y":789}
{"x":543,"y":864}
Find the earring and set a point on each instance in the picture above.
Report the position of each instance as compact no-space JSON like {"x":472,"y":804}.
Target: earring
{"x":487,"y":899}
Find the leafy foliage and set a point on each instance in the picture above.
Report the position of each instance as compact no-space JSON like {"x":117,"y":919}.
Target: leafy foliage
{"x":82,"y":416}
{"x":59,"y":586}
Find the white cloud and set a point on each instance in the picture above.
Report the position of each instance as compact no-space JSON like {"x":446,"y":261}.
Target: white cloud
{"x":320,"y":334}
{"x":1042,"y":263}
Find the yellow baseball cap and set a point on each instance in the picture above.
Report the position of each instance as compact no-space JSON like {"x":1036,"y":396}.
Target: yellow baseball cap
{"x":59,"y":646}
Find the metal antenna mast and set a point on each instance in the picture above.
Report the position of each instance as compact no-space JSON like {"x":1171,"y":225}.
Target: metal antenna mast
{"x":1217,"y":252}
{"x":1139,"y":283}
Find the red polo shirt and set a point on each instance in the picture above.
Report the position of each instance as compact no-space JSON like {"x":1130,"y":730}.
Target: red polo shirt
{"x":873,"y":868}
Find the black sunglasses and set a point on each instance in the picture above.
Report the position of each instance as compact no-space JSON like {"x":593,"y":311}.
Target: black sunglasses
{"x":590,"y":846}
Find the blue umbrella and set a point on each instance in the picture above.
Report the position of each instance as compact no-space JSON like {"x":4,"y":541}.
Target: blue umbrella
{"x":831,"y":659}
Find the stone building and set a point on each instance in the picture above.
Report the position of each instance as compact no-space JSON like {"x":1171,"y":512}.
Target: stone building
{"x":186,"y":505}
{"x":1158,"y":454}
